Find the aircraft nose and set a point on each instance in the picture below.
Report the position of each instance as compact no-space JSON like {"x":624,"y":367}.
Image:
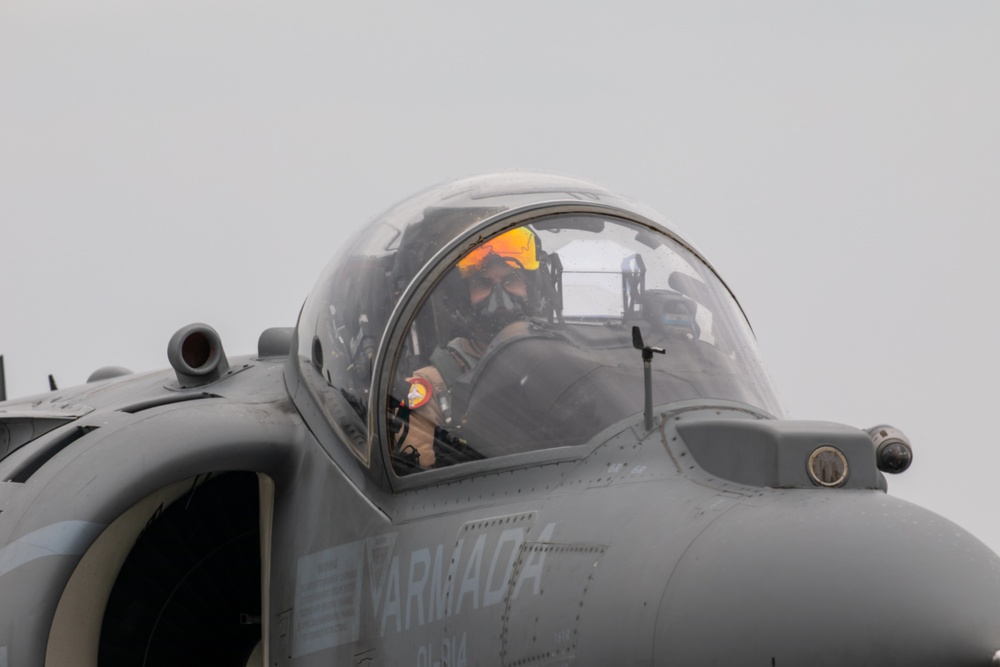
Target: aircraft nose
{"x":831,"y":578}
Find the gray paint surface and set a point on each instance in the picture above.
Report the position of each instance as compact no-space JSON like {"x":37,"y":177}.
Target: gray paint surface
{"x":644,"y":547}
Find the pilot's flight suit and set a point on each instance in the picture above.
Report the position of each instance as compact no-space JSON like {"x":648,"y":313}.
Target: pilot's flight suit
{"x":433,"y":413}
{"x":427,"y":412}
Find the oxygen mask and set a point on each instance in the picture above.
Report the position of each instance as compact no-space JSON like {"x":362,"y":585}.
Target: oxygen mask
{"x":496,"y":311}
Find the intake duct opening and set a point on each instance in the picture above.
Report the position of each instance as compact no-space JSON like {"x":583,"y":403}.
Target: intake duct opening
{"x":189,"y":591}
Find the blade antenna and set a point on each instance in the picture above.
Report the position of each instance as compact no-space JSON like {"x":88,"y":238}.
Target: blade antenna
{"x":3,"y":381}
{"x":647,"y":374}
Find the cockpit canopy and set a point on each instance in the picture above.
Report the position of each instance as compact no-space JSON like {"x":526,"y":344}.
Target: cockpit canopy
{"x":392,"y":342}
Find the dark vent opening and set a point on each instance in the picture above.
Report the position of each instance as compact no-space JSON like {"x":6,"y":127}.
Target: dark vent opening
{"x":166,"y":400}
{"x":16,"y":432}
{"x":40,"y":458}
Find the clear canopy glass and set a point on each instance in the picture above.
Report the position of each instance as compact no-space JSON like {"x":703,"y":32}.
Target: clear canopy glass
{"x":561,"y":366}
{"x":415,"y":341}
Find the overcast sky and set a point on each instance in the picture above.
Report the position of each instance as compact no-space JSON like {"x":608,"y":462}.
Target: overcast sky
{"x":163,"y":163}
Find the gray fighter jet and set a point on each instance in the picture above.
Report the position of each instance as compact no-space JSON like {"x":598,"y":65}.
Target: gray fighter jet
{"x":521,"y":421}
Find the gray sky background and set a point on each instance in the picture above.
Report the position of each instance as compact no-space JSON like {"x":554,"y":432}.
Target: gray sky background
{"x":163,"y":163}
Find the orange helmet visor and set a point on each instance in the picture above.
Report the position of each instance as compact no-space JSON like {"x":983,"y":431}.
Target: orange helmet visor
{"x":517,"y":244}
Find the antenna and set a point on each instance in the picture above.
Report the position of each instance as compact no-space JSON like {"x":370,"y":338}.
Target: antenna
{"x":647,"y":374}
{"x":3,"y":381}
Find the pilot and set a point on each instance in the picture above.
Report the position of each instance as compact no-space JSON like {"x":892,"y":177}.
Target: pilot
{"x":495,"y":277}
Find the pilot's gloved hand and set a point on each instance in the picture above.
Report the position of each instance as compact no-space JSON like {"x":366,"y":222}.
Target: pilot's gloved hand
{"x":407,"y":460}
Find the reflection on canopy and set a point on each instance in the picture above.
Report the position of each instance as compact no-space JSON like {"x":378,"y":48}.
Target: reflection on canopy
{"x":565,"y":368}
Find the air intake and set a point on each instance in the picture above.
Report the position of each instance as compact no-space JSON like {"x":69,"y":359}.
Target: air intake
{"x":196,"y":354}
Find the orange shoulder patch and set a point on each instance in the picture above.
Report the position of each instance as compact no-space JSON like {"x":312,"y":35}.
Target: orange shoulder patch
{"x":420,"y":393}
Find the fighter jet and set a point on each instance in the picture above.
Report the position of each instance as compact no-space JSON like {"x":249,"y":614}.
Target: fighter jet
{"x":521,"y":421}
